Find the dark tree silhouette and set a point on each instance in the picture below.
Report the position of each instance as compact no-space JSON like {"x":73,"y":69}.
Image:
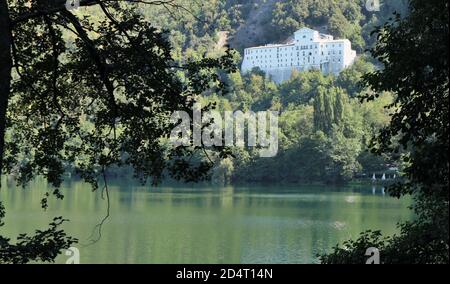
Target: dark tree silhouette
{"x":414,"y":51}
{"x":117,"y":75}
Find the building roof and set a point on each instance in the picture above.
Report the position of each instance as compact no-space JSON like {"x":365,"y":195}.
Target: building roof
{"x":272,"y":45}
{"x":322,"y":38}
{"x":305,"y":29}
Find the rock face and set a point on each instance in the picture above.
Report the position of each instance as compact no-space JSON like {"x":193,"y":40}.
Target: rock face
{"x":308,"y":50}
{"x":252,"y":31}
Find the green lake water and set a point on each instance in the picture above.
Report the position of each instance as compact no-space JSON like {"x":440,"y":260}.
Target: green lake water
{"x":204,"y":224}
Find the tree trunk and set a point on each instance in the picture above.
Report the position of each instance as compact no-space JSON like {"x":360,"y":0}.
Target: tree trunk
{"x":5,"y":72}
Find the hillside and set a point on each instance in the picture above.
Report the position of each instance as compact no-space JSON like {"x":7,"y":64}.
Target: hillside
{"x":253,"y":30}
{"x":318,"y":141}
{"x":258,"y":22}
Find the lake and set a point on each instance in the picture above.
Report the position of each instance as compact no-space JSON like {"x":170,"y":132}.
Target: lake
{"x":205,"y":224}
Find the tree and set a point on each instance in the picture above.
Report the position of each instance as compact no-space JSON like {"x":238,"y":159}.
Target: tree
{"x":329,"y":108}
{"x":303,"y":86}
{"x":117,"y":75}
{"x":349,"y":79}
{"x":341,"y":18}
{"x":343,"y":152}
{"x":414,"y":51}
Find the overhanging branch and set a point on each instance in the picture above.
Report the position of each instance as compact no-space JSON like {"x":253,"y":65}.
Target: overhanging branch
{"x":56,"y":6}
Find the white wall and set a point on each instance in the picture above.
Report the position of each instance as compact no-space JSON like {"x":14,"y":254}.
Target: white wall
{"x":309,"y":50}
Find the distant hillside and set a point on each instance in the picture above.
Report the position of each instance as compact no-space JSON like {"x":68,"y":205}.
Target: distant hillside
{"x":256,"y":22}
{"x":271,"y":21}
{"x":253,"y":30}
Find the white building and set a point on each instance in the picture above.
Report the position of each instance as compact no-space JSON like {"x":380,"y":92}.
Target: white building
{"x":308,"y":50}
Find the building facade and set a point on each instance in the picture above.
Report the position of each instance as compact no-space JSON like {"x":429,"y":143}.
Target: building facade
{"x":307,"y":51}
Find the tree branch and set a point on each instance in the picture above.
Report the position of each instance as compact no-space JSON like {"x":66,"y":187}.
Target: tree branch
{"x":59,"y":6}
{"x":99,"y":61}
{"x":55,"y":7}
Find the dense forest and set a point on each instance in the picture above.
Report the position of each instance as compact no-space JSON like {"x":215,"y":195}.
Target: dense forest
{"x":90,"y":92}
{"x":324,"y":128}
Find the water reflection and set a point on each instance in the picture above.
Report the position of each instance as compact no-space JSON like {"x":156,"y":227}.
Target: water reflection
{"x":201,"y":224}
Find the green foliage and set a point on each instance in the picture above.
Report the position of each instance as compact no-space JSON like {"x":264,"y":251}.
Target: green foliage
{"x":303,"y":86}
{"x":323,"y":133}
{"x":94,"y":91}
{"x":340,"y":18}
{"x":43,"y":246}
{"x":222,"y":172}
{"x":414,"y":53}
{"x":350,"y":78}
{"x":354,"y":251}
{"x":344,"y":152}
{"x":98,"y":100}
{"x":126,"y":97}
{"x":329,"y":107}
